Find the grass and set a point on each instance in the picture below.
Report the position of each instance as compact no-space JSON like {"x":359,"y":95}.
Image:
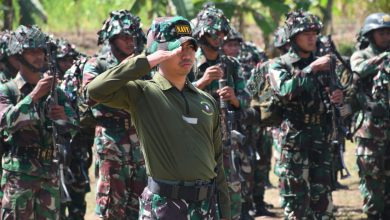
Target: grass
{"x":348,"y":202}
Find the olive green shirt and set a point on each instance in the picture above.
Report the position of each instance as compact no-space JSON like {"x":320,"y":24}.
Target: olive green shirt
{"x":179,"y":130}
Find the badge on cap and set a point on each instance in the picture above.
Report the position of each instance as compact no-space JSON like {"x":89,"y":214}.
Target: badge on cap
{"x":183,"y":29}
{"x":386,"y":18}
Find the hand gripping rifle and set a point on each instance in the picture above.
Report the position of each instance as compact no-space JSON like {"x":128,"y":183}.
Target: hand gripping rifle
{"x":229,"y":136}
{"x":339,"y":112}
{"x":61,"y":144}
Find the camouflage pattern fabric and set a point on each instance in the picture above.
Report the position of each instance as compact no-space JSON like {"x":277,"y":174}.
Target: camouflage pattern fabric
{"x":305,"y":158}
{"x":30,"y":197}
{"x":28,"y":130}
{"x":373,"y":138}
{"x":81,"y":145}
{"x":234,"y":80}
{"x":250,"y":57}
{"x":119,"y":160}
{"x":6,"y":70}
{"x":154,"y":206}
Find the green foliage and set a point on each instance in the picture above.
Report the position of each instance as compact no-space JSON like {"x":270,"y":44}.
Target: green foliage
{"x":346,"y":48}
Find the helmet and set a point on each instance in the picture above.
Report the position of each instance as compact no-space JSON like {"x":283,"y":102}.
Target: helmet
{"x":168,"y":33}
{"x":375,"y":21}
{"x":233,"y":35}
{"x":26,"y":38}
{"x":64,"y":48}
{"x":4,"y":41}
{"x":251,"y":53}
{"x":122,"y":22}
{"x":280,"y":37}
{"x":298,"y":21}
{"x":211,"y":20}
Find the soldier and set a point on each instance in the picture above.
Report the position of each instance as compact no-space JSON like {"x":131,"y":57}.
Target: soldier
{"x":82,"y":141}
{"x":8,"y":61}
{"x":30,"y":180}
{"x":120,"y":164}
{"x":66,"y":55}
{"x":178,"y":125}
{"x":372,"y":139}
{"x":232,"y":43}
{"x":305,"y":156}
{"x":211,"y":28}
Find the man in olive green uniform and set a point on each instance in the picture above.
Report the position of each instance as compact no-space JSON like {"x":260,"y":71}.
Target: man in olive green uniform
{"x":373,"y":137}
{"x":30,"y":180}
{"x":178,"y":126}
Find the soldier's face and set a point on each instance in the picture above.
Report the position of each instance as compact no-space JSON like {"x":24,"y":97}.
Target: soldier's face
{"x":65,"y":63}
{"x":214,"y":40}
{"x":35,"y":57}
{"x":183,"y":62}
{"x":382,"y":38}
{"x":232,"y":48}
{"x":306,"y":40}
{"x":125,"y":43}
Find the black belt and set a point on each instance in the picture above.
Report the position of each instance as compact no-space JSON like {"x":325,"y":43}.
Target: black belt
{"x":196,"y":192}
{"x":33,"y":152}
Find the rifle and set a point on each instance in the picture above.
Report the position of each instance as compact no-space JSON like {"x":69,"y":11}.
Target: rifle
{"x":229,"y":136}
{"x":60,"y":143}
{"x":339,"y":112}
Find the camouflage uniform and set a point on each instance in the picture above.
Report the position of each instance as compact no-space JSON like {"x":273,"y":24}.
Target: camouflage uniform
{"x":120,"y":168}
{"x":30,"y":180}
{"x":211,"y":20}
{"x":305,"y":155}
{"x":7,"y":71}
{"x":81,"y":144}
{"x":372,"y":139}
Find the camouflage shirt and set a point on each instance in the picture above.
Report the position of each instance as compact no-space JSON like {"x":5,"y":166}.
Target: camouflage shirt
{"x":113,"y":125}
{"x":366,"y":63}
{"x":27,"y":126}
{"x":297,"y":86}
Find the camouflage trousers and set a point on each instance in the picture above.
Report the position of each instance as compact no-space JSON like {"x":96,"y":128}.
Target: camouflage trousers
{"x":263,"y":164}
{"x":79,"y":185}
{"x":154,"y":206}
{"x":29,"y":197}
{"x":305,"y":178}
{"x":119,"y":186}
{"x":233,"y":177}
{"x":374,"y":172}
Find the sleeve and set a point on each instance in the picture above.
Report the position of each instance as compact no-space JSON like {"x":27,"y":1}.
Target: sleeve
{"x":253,"y":84}
{"x":222,"y":187}
{"x":363,"y":65}
{"x":287,"y":84}
{"x":15,"y":116}
{"x":113,"y":88}
{"x":71,"y":126}
{"x":242,"y":94}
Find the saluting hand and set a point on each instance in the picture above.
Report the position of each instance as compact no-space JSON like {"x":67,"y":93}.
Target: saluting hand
{"x":161,"y":55}
{"x":42,"y":88}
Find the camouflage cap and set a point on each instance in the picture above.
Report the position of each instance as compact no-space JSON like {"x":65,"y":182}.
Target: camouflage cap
{"x":168,"y":33}
{"x":280,"y":37}
{"x":64,"y":48}
{"x":299,"y":21}
{"x":375,"y":21}
{"x":121,"y":22}
{"x":4,"y":41}
{"x":251,"y":53}
{"x":211,"y":20}
{"x":26,"y":38}
{"x":233,"y":35}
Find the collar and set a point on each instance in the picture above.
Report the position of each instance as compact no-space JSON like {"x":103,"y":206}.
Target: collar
{"x":294,"y":57}
{"x":19,"y":81}
{"x":164,"y":84}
